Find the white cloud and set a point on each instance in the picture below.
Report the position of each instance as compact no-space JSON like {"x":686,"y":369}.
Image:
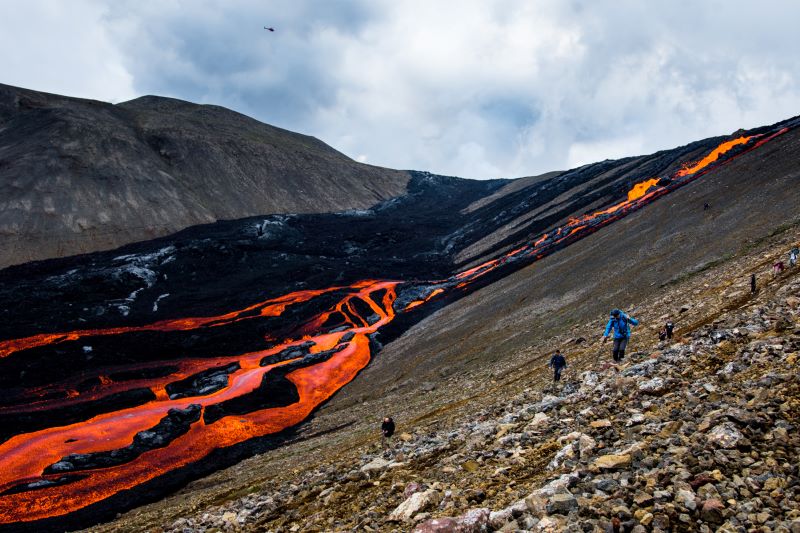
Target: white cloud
{"x":62,"y":47}
{"x":475,"y":88}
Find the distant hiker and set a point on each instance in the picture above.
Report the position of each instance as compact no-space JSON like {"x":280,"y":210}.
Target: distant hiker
{"x":706,"y":206}
{"x":752,"y":283}
{"x":620,"y":323}
{"x":387,"y":430}
{"x":777,"y":268}
{"x":662,"y":334}
{"x":793,"y":256}
{"x":557,"y":363}
{"x":669,"y":327}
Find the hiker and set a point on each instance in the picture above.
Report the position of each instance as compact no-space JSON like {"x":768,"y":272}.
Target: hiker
{"x":706,"y":206}
{"x":752,"y":283}
{"x":387,"y":430}
{"x":662,"y":334}
{"x":793,"y":256}
{"x":557,"y":363}
{"x":620,"y":323}
{"x":669,"y":327}
{"x":777,"y":268}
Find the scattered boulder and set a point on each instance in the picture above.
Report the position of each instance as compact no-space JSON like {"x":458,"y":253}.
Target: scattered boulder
{"x":725,"y":435}
{"x":379,"y":463}
{"x":613,"y":461}
{"x":417,"y":502}
{"x":713,"y":512}
{"x":562,"y":503}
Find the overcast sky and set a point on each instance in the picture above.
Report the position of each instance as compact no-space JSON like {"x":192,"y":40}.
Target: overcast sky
{"x":473,"y":88}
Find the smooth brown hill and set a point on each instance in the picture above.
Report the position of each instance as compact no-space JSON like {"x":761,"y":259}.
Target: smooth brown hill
{"x":81,"y":175}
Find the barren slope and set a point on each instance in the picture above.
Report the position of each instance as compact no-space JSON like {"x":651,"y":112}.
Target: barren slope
{"x":616,"y":267}
{"x":79,"y":175}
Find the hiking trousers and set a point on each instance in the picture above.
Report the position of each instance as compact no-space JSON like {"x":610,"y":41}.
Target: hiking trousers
{"x":557,"y":374}
{"x":619,"y":348}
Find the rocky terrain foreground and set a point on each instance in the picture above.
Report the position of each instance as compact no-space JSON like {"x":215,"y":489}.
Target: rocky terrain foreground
{"x":695,"y":434}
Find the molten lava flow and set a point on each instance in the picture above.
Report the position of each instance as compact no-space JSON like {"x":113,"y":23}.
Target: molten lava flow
{"x":640,"y":189}
{"x":417,"y":303}
{"x":337,"y":336}
{"x":24,"y":457}
{"x":268,"y":308}
{"x":713,"y":156}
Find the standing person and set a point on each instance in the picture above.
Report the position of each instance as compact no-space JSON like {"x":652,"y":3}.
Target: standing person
{"x":620,"y":323}
{"x":752,"y":283}
{"x":669,"y":326}
{"x":387,"y":430}
{"x":793,"y":254}
{"x":557,"y":363}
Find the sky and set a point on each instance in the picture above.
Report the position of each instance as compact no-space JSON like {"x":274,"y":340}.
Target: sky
{"x":472,"y":88}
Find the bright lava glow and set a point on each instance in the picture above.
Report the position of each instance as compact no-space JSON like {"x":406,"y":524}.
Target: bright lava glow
{"x":364,"y":309}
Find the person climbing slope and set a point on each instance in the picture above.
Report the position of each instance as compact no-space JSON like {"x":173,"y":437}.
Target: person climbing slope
{"x":387,"y":430}
{"x":557,"y":363}
{"x":620,"y":323}
{"x":669,"y":327}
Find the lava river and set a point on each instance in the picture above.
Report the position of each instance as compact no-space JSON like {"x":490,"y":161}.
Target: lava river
{"x":204,"y":404}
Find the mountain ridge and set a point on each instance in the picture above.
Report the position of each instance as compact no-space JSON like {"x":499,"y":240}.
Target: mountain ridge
{"x":80,"y":175}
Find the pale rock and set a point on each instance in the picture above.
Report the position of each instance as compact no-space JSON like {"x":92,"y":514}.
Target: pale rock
{"x":636,"y":418}
{"x":725,"y":435}
{"x":613,"y":461}
{"x":379,"y":463}
{"x":539,"y":419}
{"x":417,"y":502}
{"x":503,"y":429}
{"x":655,"y":386}
{"x":474,"y":521}
{"x":498,"y":519}
{"x":549,"y":524}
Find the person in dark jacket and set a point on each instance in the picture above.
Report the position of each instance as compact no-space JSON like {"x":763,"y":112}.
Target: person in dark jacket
{"x":621,"y":324}
{"x":387,"y":430}
{"x":557,"y":363}
{"x":669,"y":327}
{"x":752,"y":283}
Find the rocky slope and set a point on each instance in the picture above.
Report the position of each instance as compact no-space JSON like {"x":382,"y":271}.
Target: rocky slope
{"x":80,"y":175}
{"x":466,"y":348}
{"x":695,"y":434}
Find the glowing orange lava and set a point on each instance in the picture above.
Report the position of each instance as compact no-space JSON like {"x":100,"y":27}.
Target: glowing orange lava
{"x":24,"y":457}
{"x":640,"y":189}
{"x":713,"y":156}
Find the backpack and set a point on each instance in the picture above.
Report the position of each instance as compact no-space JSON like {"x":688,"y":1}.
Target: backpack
{"x":621,"y":325}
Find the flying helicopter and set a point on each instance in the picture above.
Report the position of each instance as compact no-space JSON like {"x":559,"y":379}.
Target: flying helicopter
{"x":270,"y":29}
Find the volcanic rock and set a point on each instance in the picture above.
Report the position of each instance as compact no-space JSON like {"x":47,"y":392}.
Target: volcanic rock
{"x":613,"y":461}
{"x":725,"y":435}
{"x":418,"y":501}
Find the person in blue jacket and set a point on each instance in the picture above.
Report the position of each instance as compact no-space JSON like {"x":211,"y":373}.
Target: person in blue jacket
{"x":621,"y":324}
{"x":557,"y":363}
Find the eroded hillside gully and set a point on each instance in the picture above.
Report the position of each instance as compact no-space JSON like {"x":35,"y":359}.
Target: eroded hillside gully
{"x":186,"y":408}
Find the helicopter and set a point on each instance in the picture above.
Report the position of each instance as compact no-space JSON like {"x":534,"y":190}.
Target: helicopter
{"x":270,"y":29}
